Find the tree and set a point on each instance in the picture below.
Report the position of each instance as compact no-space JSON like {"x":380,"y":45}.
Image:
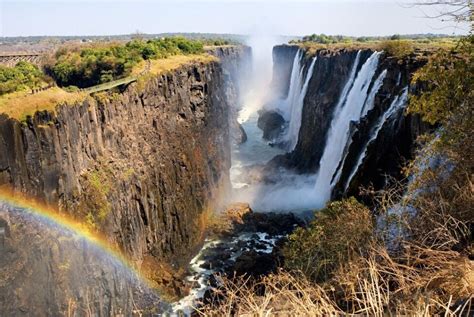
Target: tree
{"x":449,"y":10}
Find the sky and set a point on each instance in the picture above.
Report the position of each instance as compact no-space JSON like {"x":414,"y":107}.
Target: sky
{"x":277,"y":17}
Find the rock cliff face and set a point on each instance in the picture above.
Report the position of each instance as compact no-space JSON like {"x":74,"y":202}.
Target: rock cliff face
{"x":48,"y":271}
{"x":283,"y":56}
{"x":235,"y":71}
{"x":394,"y":143}
{"x":142,"y":166}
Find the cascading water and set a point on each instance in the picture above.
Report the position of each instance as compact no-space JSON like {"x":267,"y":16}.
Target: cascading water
{"x":350,"y":108}
{"x":368,"y":105}
{"x":295,"y":100}
{"x":397,"y":104}
{"x":255,"y":150}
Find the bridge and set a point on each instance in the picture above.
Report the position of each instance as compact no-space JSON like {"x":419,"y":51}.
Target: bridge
{"x":11,"y":60}
{"x":118,"y":82}
{"x":110,"y":84}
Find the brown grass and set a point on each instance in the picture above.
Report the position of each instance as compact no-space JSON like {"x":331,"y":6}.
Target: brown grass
{"x":159,"y":66}
{"x":280,"y":294}
{"x":22,"y":104}
{"x":428,"y":282}
{"x":430,"y":273}
{"x":312,"y":47}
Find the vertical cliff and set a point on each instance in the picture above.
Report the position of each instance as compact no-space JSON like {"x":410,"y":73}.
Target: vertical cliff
{"x":283,"y":56}
{"x":142,"y":166}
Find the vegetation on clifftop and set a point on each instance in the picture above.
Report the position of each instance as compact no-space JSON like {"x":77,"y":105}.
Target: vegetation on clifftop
{"x":24,"y":76}
{"x":395,"y":45}
{"x":90,"y":65}
{"x":85,"y":67}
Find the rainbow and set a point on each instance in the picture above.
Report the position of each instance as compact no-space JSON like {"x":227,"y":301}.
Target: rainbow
{"x":80,"y":230}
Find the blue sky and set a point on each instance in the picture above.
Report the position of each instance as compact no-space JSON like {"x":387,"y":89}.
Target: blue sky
{"x":107,"y":17}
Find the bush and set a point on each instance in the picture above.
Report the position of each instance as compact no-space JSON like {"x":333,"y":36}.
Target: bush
{"x":337,"y":232}
{"x":397,"y":48}
{"x":326,"y":39}
{"x":23,"y":76}
{"x":100,"y":64}
{"x":445,"y":200}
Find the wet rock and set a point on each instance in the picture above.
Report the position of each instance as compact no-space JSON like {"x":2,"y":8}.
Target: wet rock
{"x":271,"y":223}
{"x":283,"y":56}
{"x":237,"y":211}
{"x":271,"y":123}
{"x":47,"y":270}
{"x":237,"y":133}
{"x":254,"y":263}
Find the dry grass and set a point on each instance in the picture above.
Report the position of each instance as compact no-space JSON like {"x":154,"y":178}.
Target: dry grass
{"x":280,"y":294}
{"x":447,"y":43}
{"x":22,"y":104}
{"x":426,"y":283}
{"x":429,"y":273}
{"x":159,"y":66}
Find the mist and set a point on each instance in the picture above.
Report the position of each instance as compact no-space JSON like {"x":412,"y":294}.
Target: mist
{"x":283,"y":190}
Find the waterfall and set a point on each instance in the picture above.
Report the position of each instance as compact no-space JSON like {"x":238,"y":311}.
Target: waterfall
{"x":295,"y":79}
{"x":292,"y":106}
{"x":368,"y":105}
{"x":350,"y":107}
{"x":397,"y":104}
{"x":297,"y":108}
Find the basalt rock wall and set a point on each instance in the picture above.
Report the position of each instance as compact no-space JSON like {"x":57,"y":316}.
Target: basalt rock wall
{"x":142,"y":166}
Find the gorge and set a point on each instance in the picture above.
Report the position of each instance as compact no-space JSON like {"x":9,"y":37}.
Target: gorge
{"x":147,"y":165}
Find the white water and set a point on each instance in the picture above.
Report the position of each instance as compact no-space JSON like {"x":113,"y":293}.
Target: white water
{"x":255,"y":151}
{"x":368,"y":105}
{"x":295,"y":100}
{"x":349,"y":108}
{"x":397,"y":104}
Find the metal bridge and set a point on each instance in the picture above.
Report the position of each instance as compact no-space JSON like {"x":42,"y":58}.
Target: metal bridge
{"x":11,"y":60}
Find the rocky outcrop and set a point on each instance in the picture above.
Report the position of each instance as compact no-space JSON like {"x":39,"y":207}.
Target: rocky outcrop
{"x":235,"y":70}
{"x":237,"y":132}
{"x":271,"y":123}
{"x":390,"y":149}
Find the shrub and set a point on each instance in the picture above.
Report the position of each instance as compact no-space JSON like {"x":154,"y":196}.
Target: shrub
{"x":397,"y":48}
{"x":337,"y":232}
{"x":447,"y":207}
{"x":23,"y":76}
{"x":100,"y":64}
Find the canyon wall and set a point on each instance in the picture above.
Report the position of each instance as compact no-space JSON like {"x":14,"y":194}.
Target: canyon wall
{"x":283,"y":56}
{"x":395,"y":141}
{"x":142,"y":166}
